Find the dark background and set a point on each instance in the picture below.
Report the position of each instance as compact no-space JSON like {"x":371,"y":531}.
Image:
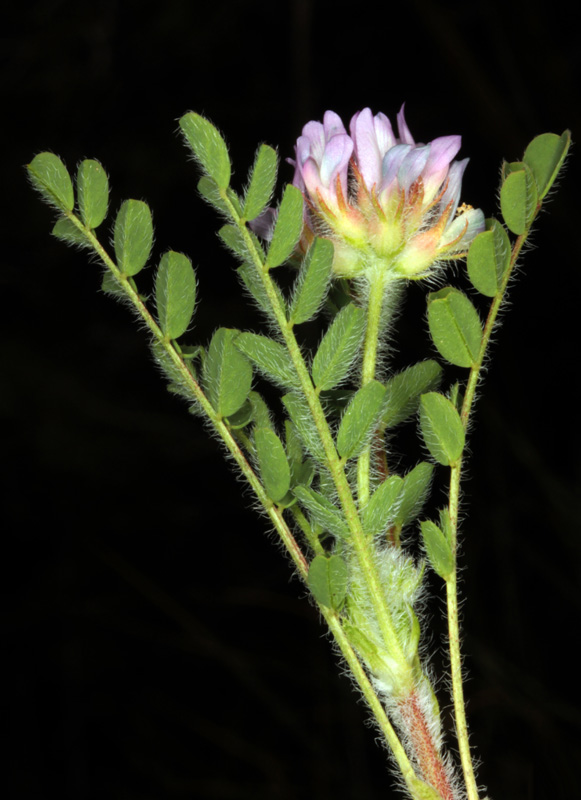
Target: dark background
{"x":155,"y":644}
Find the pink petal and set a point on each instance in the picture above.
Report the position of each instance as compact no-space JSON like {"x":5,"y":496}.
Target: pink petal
{"x":405,"y":136}
{"x":332,"y":125}
{"x":391,"y":164}
{"x":452,"y":193}
{"x":336,"y":160}
{"x":412,"y":166}
{"x":366,"y":146}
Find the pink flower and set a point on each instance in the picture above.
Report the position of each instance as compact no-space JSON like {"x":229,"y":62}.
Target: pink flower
{"x":322,"y":159}
{"x":381,"y":197}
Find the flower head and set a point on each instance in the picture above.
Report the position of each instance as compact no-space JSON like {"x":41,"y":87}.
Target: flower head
{"x":386,"y":201}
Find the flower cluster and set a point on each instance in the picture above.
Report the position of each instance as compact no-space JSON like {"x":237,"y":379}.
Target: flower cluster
{"x":387,"y":202}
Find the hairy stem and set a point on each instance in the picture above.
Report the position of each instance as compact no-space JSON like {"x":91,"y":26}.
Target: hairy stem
{"x":361,"y":544}
{"x":275,"y":514}
{"x":454,"y":501}
{"x":424,"y":745}
{"x":197,"y":393}
{"x":374,"y":312}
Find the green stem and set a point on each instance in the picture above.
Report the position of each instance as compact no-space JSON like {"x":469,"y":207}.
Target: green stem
{"x":374,"y":309}
{"x":221,"y":428}
{"x":452,"y":582}
{"x":274,"y":513}
{"x":373,"y":701}
{"x":306,"y":528}
{"x":360,"y":542}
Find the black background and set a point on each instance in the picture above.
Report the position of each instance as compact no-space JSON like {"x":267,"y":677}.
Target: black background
{"x":154,"y":642}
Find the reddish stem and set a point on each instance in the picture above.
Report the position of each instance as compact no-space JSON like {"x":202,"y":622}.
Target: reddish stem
{"x":424,"y":749}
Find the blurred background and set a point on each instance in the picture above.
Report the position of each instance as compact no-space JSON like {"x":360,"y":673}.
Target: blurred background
{"x":155,"y":644}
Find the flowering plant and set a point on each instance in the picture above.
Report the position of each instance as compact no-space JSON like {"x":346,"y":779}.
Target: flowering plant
{"x":366,"y":213}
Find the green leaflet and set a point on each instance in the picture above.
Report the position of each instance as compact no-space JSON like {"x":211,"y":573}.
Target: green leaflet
{"x":262,"y":180}
{"x":327,"y":580}
{"x":518,"y":197}
{"x":545,"y":156}
{"x":446,"y":524}
{"x":404,"y":389}
{"x":338,"y":347}
{"x":441,"y":428}
{"x":251,"y":279}
{"x":322,"y":511}
{"x":133,"y":236}
{"x":383,"y":506}
{"x":438,"y":550}
{"x":300,"y":415}
{"x":92,"y":192}
{"x":50,"y":177}
{"x":359,"y":419}
{"x":111,"y":286}
{"x":210,"y":191}
{"x":302,"y":472}
{"x":260,"y":412}
{"x":489,"y":258}
{"x":178,"y":383}
{"x":313,"y":281}
{"x":175,"y":294}
{"x":227,"y":373}
{"x":208,"y":146}
{"x":455,"y":326}
{"x":288,"y":227}
{"x":241,"y":418}
{"x":274,"y":467}
{"x":271,"y":358}
{"x":415,"y":489}
{"x":66,"y":230}
{"x":232,"y":237}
